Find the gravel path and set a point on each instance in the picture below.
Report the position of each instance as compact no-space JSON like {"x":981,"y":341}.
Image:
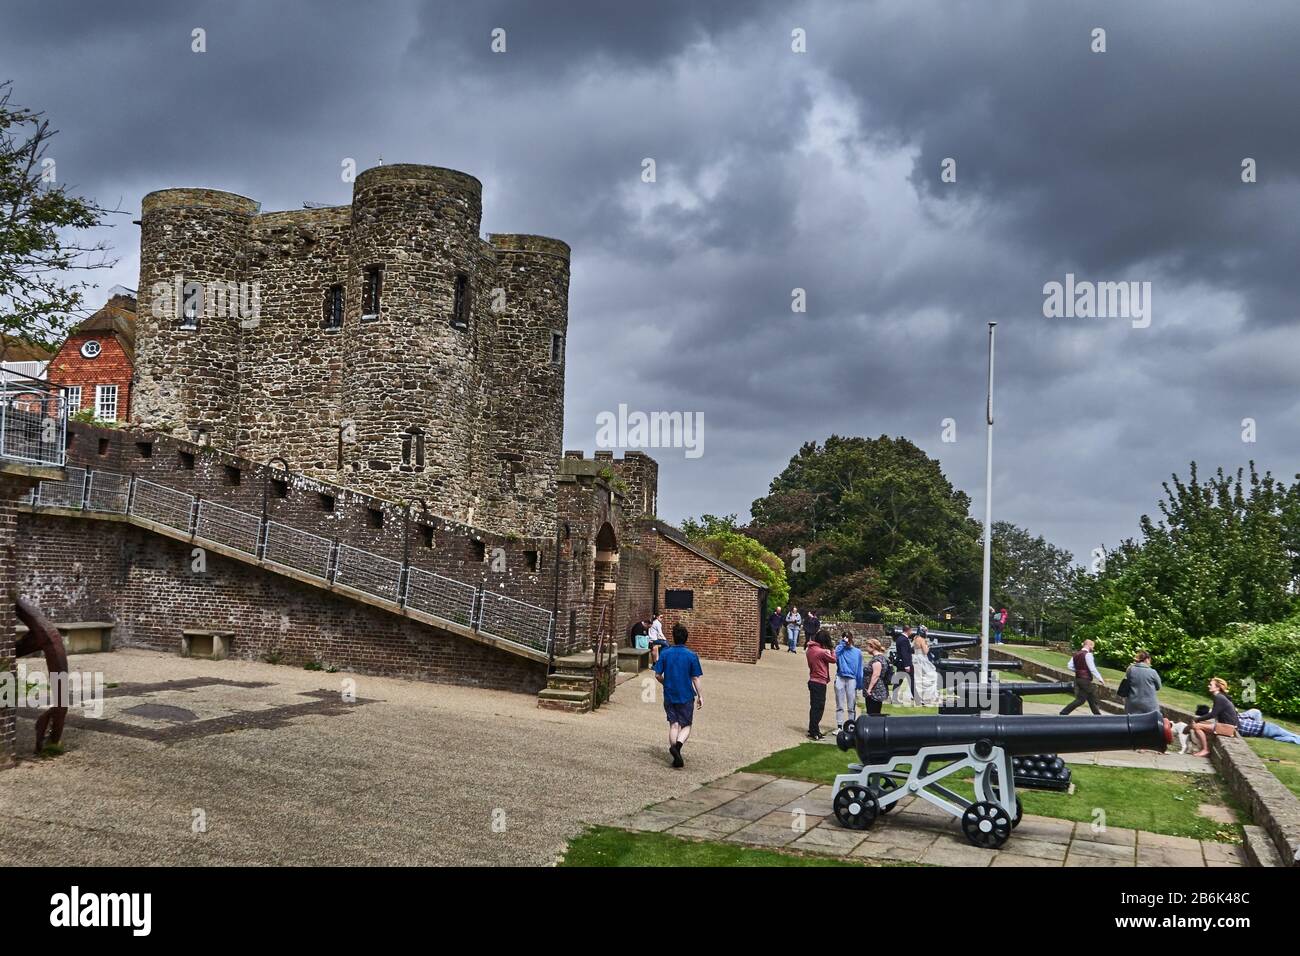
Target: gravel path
{"x":425,"y":774}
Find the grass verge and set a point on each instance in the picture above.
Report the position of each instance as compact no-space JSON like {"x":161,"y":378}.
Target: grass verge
{"x":606,"y":846}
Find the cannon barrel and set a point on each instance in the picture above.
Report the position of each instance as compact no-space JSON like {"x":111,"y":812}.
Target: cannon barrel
{"x":877,"y":739}
{"x":959,"y":665}
{"x":1028,"y":688}
{"x":952,"y":643}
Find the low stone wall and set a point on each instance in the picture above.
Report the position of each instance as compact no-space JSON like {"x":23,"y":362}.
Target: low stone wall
{"x":1271,"y":804}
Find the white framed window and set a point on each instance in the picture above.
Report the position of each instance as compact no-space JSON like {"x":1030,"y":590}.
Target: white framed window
{"x":72,"y":398}
{"x":106,"y":403}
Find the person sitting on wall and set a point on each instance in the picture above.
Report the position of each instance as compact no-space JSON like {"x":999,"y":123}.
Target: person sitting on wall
{"x":657,"y":640}
{"x":1222,"y":719}
{"x":640,"y":635}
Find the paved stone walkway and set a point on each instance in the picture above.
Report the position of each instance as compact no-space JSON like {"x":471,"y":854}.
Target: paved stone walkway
{"x":761,"y":810}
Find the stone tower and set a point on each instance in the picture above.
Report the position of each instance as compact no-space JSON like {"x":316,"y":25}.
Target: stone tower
{"x":394,"y":350}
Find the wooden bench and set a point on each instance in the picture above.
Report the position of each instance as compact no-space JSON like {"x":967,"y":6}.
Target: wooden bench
{"x":83,"y":637}
{"x":212,"y":645}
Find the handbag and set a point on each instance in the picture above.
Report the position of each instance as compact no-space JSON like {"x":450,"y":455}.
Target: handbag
{"x":1125,"y":688}
{"x":1225,"y":730}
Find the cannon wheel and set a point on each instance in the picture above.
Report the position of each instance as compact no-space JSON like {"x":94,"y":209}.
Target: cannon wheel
{"x":881,"y":785}
{"x":986,"y":824}
{"x":856,"y":808}
{"x":997,"y":791}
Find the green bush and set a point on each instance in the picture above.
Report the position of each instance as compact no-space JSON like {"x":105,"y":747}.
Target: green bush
{"x":1261,"y":662}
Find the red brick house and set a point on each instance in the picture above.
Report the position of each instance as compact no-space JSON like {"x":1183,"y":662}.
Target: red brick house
{"x":95,"y":366}
{"x":723,"y":608}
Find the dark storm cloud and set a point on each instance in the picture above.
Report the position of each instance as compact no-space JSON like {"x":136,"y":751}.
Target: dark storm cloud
{"x":776,"y":171}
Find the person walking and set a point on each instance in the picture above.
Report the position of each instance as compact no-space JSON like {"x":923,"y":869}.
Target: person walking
{"x":775,"y":621}
{"x":812,"y":625}
{"x":903,"y":661}
{"x":1141,"y":683}
{"x":875,"y":678}
{"x":678,"y":670}
{"x":820,"y":657}
{"x":1086,"y":679}
{"x":1222,"y":719}
{"x":793,"y":622}
{"x":848,"y":679}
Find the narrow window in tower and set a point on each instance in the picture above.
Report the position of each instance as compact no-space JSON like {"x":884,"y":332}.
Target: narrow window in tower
{"x":557,"y":348}
{"x":191,"y":296}
{"x":413,"y":448}
{"x":333,"y":308}
{"x":372,"y":291}
{"x":460,"y":305}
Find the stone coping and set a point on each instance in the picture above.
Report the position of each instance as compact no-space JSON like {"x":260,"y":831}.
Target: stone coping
{"x":1271,"y":804}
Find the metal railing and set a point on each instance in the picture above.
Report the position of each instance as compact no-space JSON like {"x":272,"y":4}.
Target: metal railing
{"x":33,"y":420}
{"x":514,"y":621}
{"x":277,"y":544}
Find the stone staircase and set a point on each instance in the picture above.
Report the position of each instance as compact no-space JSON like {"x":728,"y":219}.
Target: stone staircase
{"x":569,"y":687}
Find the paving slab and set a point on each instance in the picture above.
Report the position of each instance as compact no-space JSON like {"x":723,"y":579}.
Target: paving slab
{"x":715,"y":824}
{"x":1004,"y":858}
{"x":745,"y":809}
{"x":1168,"y":856}
{"x":945,"y":855}
{"x":885,"y":851}
{"x":788,"y":818}
{"x":1119,"y":836}
{"x":1039,"y":849}
{"x":1045,"y":829}
{"x":836,"y":841}
{"x":1223,"y":854}
{"x":1123,"y":855}
{"x":1145,"y":839}
{"x":758,"y":835}
{"x":742,"y":782}
{"x":650,"y":822}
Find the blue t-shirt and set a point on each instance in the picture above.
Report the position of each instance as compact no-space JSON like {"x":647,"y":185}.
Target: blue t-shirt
{"x":678,"y":664}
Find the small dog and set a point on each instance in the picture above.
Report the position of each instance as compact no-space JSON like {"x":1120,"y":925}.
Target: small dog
{"x":1182,"y":733}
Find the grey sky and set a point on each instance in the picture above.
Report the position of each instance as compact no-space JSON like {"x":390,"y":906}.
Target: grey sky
{"x":779,"y":170}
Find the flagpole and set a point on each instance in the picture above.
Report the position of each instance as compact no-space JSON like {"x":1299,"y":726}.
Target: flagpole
{"x":988,"y":524}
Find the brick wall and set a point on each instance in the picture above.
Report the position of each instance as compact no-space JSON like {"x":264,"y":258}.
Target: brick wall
{"x":10,"y":490}
{"x":84,"y":569}
{"x":724,"y":622}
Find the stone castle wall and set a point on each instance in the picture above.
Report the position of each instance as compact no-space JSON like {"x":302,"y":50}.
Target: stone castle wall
{"x":408,"y":401}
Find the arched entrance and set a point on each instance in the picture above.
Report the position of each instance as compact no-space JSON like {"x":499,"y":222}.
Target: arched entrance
{"x":604,"y":584}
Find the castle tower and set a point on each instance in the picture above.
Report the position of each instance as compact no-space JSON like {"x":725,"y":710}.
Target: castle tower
{"x":519,"y":459}
{"x":412,"y":381}
{"x":187,"y":366}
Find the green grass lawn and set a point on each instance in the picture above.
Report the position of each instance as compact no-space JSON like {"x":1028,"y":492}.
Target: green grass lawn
{"x":1281,"y":758}
{"x":604,"y":846}
{"x":1183,"y":700}
{"x":1159,"y":801}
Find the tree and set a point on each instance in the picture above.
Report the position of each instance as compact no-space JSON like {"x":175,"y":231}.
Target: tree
{"x":870,"y":521}
{"x":1031,"y":576}
{"x":38,"y":300}
{"x":721,"y":538}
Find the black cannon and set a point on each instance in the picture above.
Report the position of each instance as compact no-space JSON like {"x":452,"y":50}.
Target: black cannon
{"x":955,"y":665}
{"x":939,"y":648}
{"x":933,"y":749}
{"x":968,"y":697}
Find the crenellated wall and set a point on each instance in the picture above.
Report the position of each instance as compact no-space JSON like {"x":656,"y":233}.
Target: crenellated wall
{"x":460,"y":410}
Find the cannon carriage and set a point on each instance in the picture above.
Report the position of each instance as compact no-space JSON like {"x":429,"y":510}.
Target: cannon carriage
{"x":921,"y":756}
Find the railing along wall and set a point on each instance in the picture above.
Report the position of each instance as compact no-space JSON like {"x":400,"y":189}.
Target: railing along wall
{"x":275,"y":544}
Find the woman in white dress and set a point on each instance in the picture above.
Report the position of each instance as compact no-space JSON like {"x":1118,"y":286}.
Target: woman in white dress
{"x":923,"y":669}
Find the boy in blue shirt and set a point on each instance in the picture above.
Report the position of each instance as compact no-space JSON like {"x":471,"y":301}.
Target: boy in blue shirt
{"x":678,"y":669}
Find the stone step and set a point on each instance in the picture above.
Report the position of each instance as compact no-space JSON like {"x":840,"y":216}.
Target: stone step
{"x":1260,"y":848}
{"x":579,"y":682}
{"x":566,"y":700}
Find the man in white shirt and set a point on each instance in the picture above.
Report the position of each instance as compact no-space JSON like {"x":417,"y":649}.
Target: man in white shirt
{"x":1086,"y":678}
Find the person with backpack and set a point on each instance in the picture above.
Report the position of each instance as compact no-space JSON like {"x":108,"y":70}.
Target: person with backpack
{"x":1086,"y":679}
{"x":876,"y":675}
{"x":820,"y":657}
{"x":848,"y":679}
{"x":999,"y":625}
